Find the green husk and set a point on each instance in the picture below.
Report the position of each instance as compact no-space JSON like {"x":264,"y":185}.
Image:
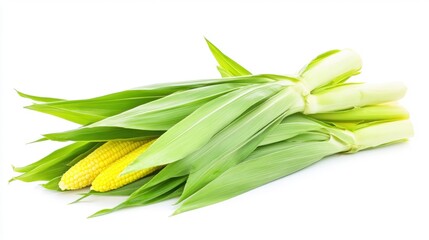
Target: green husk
{"x":238,"y":140}
{"x":274,"y":161}
{"x":164,"y":113}
{"x":158,"y":115}
{"x":196,"y":130}
{"x":87,"y":111}
{"x":56,"y":163}
{"x":290,"y":127}
{"x":122,"y":191}
{"x":38,"y":98}
{"x":102,"y":134}
{"x":53,"y":184}
{"x":329,"y":69}
{"x":283,"y":159}
{"x":161,"y":152}
{"x":227,"y":67}
{"x":59,"y":157}
{"x":143,"y":196}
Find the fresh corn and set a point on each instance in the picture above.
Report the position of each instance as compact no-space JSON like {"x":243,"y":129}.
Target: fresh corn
{"x":85,"y":171}
{"x":218,"y":138}
{"x":110,"y":178}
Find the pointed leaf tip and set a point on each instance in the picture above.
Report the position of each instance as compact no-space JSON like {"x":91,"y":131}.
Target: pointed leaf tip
{"x":101,"y":212}
{"x":85,"y":195}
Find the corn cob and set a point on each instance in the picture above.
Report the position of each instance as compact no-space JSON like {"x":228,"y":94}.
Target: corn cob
{"x":110,"y":178}
{"x":85,"y":171}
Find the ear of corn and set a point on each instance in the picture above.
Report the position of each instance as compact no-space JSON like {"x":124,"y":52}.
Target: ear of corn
{"x":224,"y":136}
{"x":110,"y":178}
{"x":85,"y":171}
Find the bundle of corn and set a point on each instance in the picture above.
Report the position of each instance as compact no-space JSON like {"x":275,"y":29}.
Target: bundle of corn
{"x":195,"y":140}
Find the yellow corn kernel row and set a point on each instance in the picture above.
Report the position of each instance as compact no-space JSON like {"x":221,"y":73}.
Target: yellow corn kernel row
{"x":110,"y":178}
{"x":85,"y":171}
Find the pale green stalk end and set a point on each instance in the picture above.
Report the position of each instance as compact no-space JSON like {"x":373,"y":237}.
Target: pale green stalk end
{"x":368,"y":113}
{"x":354,"y":95}
{"x":382,"y":133}
{"x":331,"y":67}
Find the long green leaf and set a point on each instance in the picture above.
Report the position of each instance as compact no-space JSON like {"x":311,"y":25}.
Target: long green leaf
{"x":196,"y":130}
{"x":160,"y":114}
{"x":87,"y":111}
{"x":141,"y":197}
{"x":56,"y":156}
{"x":280,"y":160}
{"x":55,"y":164}
{"x":229,"y":67}
{"x":291,"y":127}
{"x":166,"y":196}
{"x":199,"y":177}
{"x":38,"y":98}
{"x":230,"y":147}
{"x":53,"y":184}
{"x":164,"y":113}
{"x":101,"y":134}
{"x":224,"y":73}
{"x":61,"y":110}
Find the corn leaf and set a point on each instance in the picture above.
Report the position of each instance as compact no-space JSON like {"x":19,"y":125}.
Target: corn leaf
{"x":290,"y":127}
{"x":196,"y":130}
{"x":38,"y":98}
{"x":228,"y":66}
{"x":101,"y":134}
{"x":56,"y":156}
{"x":238,"y":140}
{"x":141,"y":197}
{"x":55,"y":164}
{"x":53,"y":184}
{"x":199,"y":177}
{"x":160,"y":114}
{"x":166,"y":196}
{"x":122,"y":191}
{"x":60,"y":109}
{"x":87,"y":111}
{"x":278,"y":160}
{"x":163,"y":113}
{"x":224,"y":73}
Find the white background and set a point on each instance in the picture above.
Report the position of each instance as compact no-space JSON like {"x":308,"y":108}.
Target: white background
{"x":78,"y":49}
